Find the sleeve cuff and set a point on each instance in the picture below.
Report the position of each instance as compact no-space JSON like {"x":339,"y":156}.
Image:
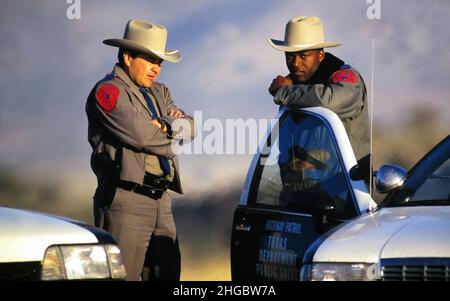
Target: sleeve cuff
{"x":167,"y":122}
{"x":278,"y":97}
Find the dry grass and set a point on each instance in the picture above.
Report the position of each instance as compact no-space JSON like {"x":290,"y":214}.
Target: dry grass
{"x":215,"y":267}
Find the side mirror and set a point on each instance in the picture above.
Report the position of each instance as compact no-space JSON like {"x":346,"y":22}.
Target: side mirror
{"x":356,"y":173}
{"x":362,"y":170}
{"x":389,"y":177}
{"x":312,"y":200}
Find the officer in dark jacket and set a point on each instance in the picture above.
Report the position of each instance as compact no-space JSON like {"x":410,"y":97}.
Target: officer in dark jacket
{"x":317,"y":78}
{"x":134,"y":130}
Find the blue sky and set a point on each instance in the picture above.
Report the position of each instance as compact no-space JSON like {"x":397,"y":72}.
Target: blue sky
{"x":50,"y":63}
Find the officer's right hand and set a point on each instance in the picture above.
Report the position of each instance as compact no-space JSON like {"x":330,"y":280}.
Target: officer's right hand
{"x":175,"y":113}
{"x":278,"y":82}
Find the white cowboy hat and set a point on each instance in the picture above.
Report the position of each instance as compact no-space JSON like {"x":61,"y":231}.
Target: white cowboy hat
{"x":302,"y":33}
{"x":145,"y":37}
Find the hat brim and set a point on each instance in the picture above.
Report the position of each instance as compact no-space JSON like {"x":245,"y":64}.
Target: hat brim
{"x":280,"y":45}
{"x":318,"y":164}
{"x":297,"y":152}
{"x":169,"y":55}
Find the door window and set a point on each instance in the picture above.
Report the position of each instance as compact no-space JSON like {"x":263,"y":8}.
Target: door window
{"x":302,"y":155}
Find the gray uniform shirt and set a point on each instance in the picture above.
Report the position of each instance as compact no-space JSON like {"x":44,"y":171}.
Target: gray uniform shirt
{"x":117,"y":112}
{"x":345,"y":94}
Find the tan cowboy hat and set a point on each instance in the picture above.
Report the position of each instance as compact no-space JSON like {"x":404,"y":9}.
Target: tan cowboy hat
{"x":145,"y":37}
{"x":303,"y":33}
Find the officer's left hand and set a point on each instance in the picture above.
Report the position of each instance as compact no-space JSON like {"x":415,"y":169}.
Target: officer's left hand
{"x":175,"y":113}
{"x":161,"y":125}
{"x":156,"y":122}
{"x":278,"y":82}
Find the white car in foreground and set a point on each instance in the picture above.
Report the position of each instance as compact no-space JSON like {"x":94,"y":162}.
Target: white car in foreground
{"x":407,"y":238}
{"x":38,"y":246}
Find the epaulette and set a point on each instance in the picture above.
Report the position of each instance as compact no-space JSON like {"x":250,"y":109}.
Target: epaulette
{"x":109,"y":76}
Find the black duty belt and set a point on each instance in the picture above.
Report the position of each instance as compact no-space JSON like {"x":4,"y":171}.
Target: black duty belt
{"x":153,"y":186}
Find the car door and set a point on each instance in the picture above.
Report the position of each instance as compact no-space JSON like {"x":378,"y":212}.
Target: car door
{"x":272,"y":226}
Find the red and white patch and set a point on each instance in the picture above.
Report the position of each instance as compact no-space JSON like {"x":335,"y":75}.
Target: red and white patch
{"x":107,"y":95}
{"x":344,"y":76}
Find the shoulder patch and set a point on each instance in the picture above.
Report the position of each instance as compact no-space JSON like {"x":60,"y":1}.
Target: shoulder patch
{"x":107,"y":95}
{"x":344,"y":76}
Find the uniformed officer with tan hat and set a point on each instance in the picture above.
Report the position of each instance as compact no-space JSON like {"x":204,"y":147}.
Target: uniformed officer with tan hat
{"x":133,"y":126}
{"x":318,"y":78}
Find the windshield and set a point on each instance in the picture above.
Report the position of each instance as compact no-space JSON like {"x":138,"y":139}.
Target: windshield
{"x":428,"y":183}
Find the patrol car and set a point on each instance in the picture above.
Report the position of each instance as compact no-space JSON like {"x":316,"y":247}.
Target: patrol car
{"x":407,"y":238}
{"x":297,"y":188}
{"x":39,"y":246}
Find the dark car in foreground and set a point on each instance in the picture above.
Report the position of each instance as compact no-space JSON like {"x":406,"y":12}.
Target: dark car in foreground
{"x":298,"y":187}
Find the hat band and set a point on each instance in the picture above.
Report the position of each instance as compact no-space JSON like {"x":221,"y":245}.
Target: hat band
{"x":302,"y":45}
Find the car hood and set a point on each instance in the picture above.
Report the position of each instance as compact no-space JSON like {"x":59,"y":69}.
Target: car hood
{"x":25,"y":235}
{"x":400,"y":232}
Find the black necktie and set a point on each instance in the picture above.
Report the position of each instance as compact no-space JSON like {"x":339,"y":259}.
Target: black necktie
{"x":163,"y":162}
